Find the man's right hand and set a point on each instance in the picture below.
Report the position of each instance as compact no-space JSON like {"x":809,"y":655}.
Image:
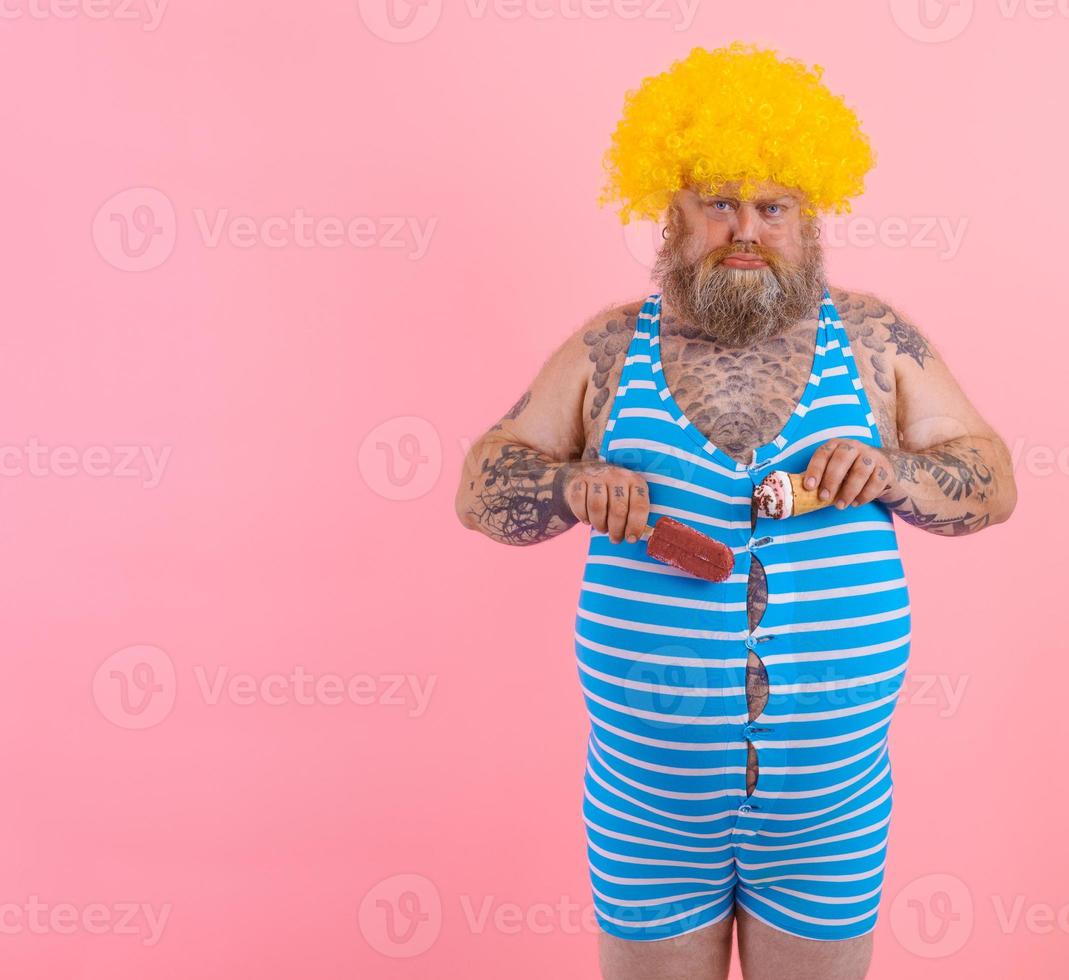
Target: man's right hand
{"x":612,"y":499}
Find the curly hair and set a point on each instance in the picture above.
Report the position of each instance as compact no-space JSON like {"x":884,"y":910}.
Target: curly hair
{"x":735,"y":114}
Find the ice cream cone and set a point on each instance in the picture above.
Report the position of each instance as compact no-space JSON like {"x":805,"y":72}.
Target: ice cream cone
{"x":781,"y":494}
{"x":805,"y":500}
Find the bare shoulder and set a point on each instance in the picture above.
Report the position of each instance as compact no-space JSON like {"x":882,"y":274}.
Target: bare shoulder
{"x":880,"y":336}
{"x":875,"y":323}
{"x":605,"y":339}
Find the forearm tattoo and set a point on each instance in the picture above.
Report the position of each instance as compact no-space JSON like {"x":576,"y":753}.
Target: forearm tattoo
{"x":955,"y":487}
{"x":519,"y":496}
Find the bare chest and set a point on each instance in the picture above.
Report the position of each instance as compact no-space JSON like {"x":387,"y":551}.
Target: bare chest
{"x":737,"y":398}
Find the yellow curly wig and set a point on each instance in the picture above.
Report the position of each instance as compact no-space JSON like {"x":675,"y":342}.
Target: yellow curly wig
{"x":735,"y":114}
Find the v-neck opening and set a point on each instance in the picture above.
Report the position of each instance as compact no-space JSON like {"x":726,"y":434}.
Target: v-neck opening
{"x":761,"y":454}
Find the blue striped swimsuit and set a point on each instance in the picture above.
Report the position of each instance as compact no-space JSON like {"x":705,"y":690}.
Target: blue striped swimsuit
{"x":673,"y":839}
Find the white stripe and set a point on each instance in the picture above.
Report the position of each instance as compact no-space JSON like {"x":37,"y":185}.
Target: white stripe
{"x":828,"y":400}
{"x":871,"y":588}
{"x":836,"y":432}
{"x":631,"y":818}
{"x":811,"y":563}
{"x":710,"y":663}
{"x":658,"y":716}
{"x":646,"y":842}
{"x":654,"y":567}
{"x":801,"y":845}
{"x":664,"y":449}
{"x":646,"y":413}
{"x":664,"y":794}
{"x":764,"y":832}
{"x":638,"y":383}
{"x":652,"y":687}
{"x":654,"y":598}
{"x":640,"y":627}
{"x":810,"y":743}
{"x":695,"y":488}
{"x":839,"y":624}
{"x":822,"y":656}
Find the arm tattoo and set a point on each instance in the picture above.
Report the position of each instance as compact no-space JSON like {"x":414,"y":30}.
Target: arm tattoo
{"x":866,"y":314}
{"x":954,"y":472}
{"x":514,"y":412}
{"x":967,"y":523}
{"x":606,"y":345}
{"x":520,"y":499}
{"x":905,"y":337}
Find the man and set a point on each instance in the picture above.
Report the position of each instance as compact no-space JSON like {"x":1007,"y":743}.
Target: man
{"x":738,"y":766}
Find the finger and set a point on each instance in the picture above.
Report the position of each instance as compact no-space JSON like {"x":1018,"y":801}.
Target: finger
{"x":597,"y":503}
{"x":576,"y":497}
{"x":856,"y":478}
{"x":814,"y":472}
{"x":871,"y":490}
{"x":841,"y":460}
{"x":638,"y":512}
{"x":618,"y":496}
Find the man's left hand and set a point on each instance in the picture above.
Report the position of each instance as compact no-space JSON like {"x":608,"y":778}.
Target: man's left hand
{"x":849,"y":472}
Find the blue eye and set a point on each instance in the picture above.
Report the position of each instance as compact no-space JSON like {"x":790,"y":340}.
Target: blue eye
{"x":771,"y":206}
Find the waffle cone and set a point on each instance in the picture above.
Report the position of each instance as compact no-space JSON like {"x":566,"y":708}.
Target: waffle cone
{"x":805,"y":500}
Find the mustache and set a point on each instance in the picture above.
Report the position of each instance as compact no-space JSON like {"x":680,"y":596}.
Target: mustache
{"x":717,"y":255}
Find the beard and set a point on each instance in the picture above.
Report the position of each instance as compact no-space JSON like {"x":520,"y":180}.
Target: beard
{"x":740,"y":307}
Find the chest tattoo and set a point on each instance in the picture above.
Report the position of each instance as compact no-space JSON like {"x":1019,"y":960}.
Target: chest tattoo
{"x":738,"y":398}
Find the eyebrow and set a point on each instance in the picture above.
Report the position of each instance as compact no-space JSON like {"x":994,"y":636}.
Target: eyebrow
{"x":763,"y":200}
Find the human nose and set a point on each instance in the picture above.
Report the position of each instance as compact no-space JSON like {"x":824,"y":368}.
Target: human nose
{"x":747,"y":227}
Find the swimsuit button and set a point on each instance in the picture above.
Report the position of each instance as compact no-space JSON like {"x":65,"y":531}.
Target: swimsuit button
{"x":745,"y":808}
{"x":751,"y":642}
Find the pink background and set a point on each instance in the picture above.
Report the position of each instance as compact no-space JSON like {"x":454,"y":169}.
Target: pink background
{"x":312,"y":402}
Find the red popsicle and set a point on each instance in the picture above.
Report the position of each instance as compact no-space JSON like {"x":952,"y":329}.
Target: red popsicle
{"x":684,"y":547}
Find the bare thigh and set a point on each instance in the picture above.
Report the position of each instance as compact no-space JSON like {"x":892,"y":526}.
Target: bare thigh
{"x":771,"y":954}
{"x":704,"y":954}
